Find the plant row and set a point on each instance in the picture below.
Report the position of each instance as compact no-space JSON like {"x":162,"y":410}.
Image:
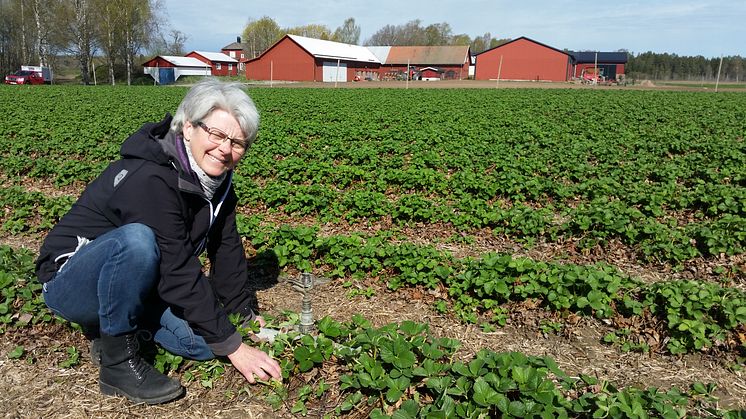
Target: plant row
{"x":693,"y":315}
{"x":661,"y":171}
{"x":395,"y":371}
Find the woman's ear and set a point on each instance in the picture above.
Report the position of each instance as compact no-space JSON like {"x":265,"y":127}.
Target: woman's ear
{"x":187,"y":131}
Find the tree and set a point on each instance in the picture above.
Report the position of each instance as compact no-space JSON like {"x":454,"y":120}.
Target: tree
{"x":77,"y":33}
{"x":348,"y":33}
{"x":261,"y":34}
{"x":461,"y":39}
{"x":138,"y":26}
{"x":412,"y":33}
{"x":311,"y":30}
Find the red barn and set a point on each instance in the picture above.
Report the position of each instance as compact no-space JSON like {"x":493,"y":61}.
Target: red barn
{"x":453,"y":61}
{"x":298,"y":58}
{"x":220,"y":64}
{"x":523,"y":59}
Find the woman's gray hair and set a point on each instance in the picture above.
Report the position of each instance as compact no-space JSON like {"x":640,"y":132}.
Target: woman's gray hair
{"x":209,"y":95}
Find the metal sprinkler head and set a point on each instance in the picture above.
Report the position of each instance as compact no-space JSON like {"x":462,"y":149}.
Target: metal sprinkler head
{"x":304,"y":284}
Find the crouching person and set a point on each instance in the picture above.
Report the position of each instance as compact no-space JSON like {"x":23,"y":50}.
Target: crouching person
{"x":125,"y":258}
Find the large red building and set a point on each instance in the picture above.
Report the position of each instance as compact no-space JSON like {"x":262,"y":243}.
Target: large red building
{"x":298,"y":58}
{"x":524,"y":59}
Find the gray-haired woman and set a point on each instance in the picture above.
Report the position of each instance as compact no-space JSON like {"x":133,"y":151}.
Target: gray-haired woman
{"x":126,"y":256}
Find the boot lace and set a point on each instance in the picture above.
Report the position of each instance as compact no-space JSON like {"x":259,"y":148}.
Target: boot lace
{"x":138,"y":366}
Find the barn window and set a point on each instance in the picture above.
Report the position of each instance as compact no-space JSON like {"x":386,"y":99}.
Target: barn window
{"x":217,"y":66}
{"x":230,"y":67}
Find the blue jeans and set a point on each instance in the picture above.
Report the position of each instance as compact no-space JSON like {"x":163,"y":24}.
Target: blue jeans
{"x":109,"y":285}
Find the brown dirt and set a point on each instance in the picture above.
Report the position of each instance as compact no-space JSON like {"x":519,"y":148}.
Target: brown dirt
{"x":488,"y":84}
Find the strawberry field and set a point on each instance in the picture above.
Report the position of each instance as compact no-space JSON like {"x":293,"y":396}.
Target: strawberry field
{"x":540,"y":211}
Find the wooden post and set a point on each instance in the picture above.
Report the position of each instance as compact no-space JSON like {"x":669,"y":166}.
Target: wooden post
{"x":336,"y":78}
{"x":271,"y":72}
{"x":499,"y":70}
{"x":407,"y":87}
{"x":717,"y":81}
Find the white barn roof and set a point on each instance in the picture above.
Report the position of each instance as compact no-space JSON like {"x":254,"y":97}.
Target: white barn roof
{"x":184,"y":61}
{"x":381,"y":53}
{"x":335,"y":50}
{"x":216,"y":56}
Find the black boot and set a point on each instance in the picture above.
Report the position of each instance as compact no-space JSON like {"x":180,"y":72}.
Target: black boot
{"x":124,"y":373}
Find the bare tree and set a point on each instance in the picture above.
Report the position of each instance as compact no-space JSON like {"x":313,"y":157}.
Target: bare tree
{"x":412,"y":33}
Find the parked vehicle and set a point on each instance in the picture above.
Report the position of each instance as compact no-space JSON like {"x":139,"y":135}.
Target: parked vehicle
{"x":30,"y":74}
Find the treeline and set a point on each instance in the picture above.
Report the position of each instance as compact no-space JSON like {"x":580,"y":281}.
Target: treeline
{"x":39,"y":32}
{"x":656,"y":66}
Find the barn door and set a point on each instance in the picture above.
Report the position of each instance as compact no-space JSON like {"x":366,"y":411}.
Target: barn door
{"x":332,"y":73}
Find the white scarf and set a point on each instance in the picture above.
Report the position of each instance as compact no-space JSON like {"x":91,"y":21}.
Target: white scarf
{"x":209,"y":183}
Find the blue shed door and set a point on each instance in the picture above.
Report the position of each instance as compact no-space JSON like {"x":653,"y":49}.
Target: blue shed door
{"x":166,"y":76}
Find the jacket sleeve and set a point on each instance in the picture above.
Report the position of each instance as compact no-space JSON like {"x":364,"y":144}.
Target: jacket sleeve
{"x":182,"y":285}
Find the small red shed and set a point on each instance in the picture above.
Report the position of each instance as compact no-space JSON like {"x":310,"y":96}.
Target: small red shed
{"x":298,"y":58}
{"x":523,"y":59}
{"x":220,"y":64}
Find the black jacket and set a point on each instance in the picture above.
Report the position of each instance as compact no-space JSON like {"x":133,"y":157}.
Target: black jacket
{"x":153,"y":184}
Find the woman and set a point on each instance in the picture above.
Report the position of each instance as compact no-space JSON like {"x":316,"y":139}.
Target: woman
{"x":126,"y":255}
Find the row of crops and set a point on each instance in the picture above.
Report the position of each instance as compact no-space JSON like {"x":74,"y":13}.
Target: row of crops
{"x":664,"y":174}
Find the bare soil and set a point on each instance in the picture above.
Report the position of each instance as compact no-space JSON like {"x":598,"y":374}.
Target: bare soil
{"x":493,"y":84}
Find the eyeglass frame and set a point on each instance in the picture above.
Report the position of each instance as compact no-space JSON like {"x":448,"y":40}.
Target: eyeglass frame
{"x":235,"y":142}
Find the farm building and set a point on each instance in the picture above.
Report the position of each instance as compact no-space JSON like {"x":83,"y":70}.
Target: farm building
{"x":220,"y":64}
{"x":523,"y":59}
{"x":298,"y":58}
{"x":452,"y":62}
{"x":237,"y":51}
{"x":429,"y":74}
{"x":610,"y":64}
{"x":166,"y":69}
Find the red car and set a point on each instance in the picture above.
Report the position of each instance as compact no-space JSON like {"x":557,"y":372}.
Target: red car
{"x":24,"y":77}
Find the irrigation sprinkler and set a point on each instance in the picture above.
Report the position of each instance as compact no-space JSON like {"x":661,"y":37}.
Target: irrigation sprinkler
{"x":303,"y":284}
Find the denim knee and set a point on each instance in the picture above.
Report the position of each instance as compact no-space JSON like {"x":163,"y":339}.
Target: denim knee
{"x":138,"y":241}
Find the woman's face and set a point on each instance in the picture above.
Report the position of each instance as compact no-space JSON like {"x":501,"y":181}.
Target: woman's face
{"x":214,"y":159}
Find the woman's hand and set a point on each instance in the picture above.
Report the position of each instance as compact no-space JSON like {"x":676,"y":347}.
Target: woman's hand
{"x":253,"y":362}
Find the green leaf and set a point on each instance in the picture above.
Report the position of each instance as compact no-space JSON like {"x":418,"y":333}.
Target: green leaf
{"x":16,"y":353}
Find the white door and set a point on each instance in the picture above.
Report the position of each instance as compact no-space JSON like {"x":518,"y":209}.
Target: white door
{"x":333,"y":73}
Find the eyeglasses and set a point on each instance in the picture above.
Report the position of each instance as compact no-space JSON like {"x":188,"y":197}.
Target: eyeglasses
{"x":218,"y":137}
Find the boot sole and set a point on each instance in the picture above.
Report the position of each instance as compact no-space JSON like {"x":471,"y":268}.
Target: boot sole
{"x":114,"y":391}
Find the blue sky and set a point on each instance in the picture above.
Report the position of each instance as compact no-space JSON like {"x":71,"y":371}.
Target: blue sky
{"x":685,"y":27}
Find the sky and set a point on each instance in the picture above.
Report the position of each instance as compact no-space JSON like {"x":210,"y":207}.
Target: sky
{"x":684,"y":27}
